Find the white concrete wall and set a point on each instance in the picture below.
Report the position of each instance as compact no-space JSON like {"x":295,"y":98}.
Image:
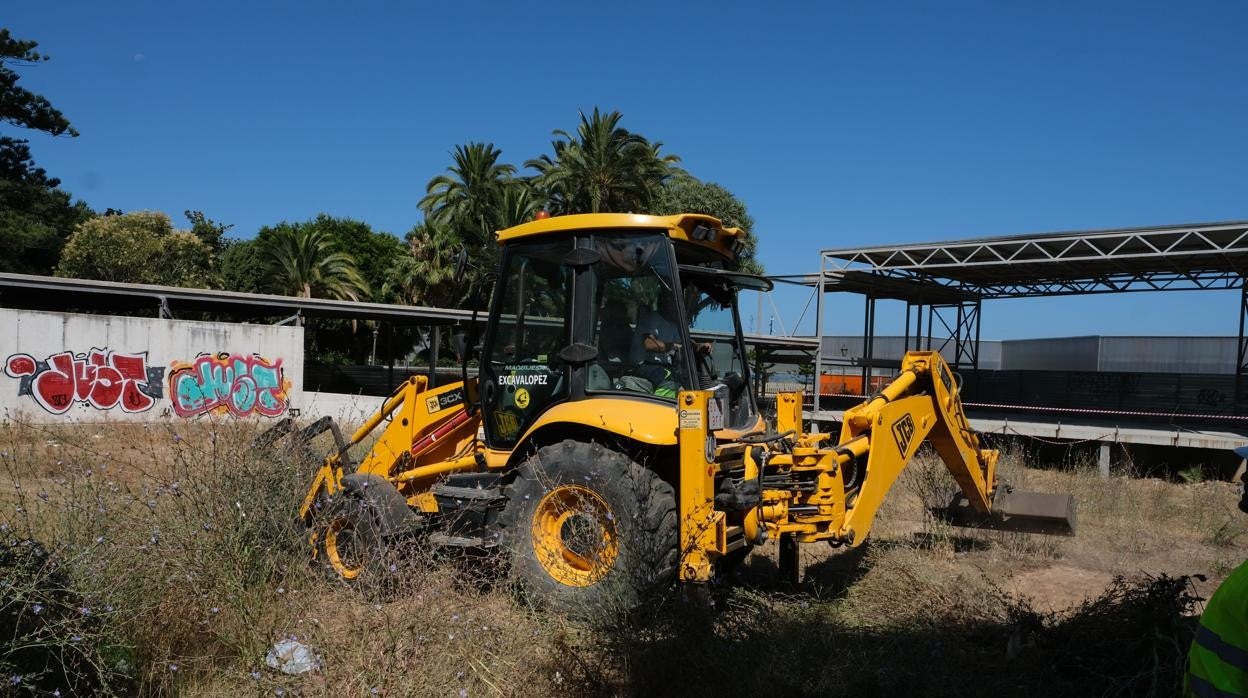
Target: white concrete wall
{"x":69,"y":367}
{"x":350,"y":411}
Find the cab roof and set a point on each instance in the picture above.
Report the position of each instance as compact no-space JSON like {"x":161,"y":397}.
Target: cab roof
{"x":698,"y":229}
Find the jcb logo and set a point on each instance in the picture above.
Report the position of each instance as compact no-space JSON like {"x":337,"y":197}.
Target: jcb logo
{"x":433,"y":403}
{"x":903,"y":431}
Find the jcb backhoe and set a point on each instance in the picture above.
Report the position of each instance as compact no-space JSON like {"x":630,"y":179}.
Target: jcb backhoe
{"x":610,"y":442}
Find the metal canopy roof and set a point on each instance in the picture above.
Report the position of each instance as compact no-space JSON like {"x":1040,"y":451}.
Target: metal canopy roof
{"x":54,"y":293}
{"x":905,"y":288}
{"x":47,"y":292}
{"x":1176,"y":257}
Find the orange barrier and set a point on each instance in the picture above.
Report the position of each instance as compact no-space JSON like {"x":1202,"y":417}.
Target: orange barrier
{"x":849,"y":385}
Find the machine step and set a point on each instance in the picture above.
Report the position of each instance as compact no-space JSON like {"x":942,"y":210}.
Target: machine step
{"x":447,"y":540}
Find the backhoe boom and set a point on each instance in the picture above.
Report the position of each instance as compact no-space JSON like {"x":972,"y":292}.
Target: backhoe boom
{"x":810,"y":490}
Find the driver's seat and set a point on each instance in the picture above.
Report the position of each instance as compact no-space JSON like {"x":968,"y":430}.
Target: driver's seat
{"x":615,"y":335}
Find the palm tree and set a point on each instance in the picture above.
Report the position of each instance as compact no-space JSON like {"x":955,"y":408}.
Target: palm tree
{"x":603,"y":168}
{"x":467,"y":197}
{"x":425,"y":273}
{"x":519,"y":203}
{"x":305,"y":262}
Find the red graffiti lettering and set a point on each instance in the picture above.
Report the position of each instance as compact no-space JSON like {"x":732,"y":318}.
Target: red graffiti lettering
{"x":100,"y":378}
{"x":19,"y":365}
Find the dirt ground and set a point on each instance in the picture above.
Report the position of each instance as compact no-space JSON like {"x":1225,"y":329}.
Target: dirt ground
{"x":1126,"y":526}
{"x":185,"y":537}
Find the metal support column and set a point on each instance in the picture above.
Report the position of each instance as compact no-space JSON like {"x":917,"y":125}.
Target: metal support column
{"x":819,"y":345}
{"x":931,"y":315}
{"x":435,"y":333}
{"x":1241,"y":364}
{"x":915,"y":308}
{"x":868,"y":343}
{"x":390,"y":357}
{"x":905,"y":342}
{"x":918,"y":326}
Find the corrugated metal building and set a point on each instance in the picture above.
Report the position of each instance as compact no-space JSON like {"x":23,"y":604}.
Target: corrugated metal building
{"x":1186,"y":355}
{"x":1160,"y":375}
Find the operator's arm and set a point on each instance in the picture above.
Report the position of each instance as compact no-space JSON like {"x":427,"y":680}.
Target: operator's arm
{"x":652,"y":343}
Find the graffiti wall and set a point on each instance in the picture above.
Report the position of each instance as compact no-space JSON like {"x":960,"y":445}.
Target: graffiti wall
{"x":65,"y":366}
{"x":228,"y":383}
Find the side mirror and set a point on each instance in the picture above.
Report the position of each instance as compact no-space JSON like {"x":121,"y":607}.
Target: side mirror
{"x":461,"y":265}
{"x":479,"y":294}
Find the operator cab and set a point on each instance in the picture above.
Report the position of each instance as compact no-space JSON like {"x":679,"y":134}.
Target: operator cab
{"x":615,"y":306}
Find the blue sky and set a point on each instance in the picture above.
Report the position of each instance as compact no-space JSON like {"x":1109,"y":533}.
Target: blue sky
{"x":839,"y":124}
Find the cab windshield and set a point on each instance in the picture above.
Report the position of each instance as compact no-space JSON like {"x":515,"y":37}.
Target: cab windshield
{"x":637,"y":319}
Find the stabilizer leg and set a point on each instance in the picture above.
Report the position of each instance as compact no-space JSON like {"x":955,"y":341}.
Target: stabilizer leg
{"x":790,"y":561}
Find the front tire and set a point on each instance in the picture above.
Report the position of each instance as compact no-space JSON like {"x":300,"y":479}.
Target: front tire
{"x":587,"y":530}
{"x":350,"y":542}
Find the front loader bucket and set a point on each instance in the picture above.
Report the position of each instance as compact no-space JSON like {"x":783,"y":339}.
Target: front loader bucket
{"x":1022,"y":512}
{"x":298,"y":442}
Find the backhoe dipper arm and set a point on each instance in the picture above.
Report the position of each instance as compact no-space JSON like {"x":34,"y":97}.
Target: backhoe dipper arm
{"x":885,"y":432}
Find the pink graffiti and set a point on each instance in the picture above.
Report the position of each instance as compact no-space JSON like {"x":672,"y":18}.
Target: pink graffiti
{"x":101,"y":378}
{"x":235,"y":383}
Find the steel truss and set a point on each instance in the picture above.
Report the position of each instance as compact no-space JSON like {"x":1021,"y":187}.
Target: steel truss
{"x":1211,"y":256}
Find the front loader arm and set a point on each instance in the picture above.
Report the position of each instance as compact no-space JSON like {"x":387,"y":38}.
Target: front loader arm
{"x":429,"y":433}
{"x":883,"y":434}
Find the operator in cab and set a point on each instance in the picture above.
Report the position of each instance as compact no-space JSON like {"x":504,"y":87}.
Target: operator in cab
{"x":656,"y":345}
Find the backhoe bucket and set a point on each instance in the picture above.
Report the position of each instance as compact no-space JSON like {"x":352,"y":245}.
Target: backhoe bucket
{"x":1022,"y":512}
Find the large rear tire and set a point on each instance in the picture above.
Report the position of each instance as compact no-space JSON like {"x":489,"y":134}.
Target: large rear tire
{"x":588,"y":531}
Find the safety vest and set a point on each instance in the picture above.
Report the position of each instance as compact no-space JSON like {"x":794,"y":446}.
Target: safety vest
{"x":1218,"y":660}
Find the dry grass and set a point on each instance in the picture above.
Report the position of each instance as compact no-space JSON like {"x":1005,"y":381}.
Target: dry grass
{"x":180,"y":543}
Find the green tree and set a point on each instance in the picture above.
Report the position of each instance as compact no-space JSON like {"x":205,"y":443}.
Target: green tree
{"x":467,"y":196}
{"x":519,"y":204}
{"x":18,"y":105}
{"x":372,"y":253}
{"x":243,"y":266}
{"x":35,"y":216}
{"x":477,"y":196}
{"x":688,"y":194}
{"x":424,"y":273}
{"x":306,"y":261}
{"x":603,"y":168}
{"x":138,"y":247}
{"x":209,"y":231}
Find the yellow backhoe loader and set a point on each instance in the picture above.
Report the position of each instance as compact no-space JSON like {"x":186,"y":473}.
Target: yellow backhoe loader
{"x":610,"y":443}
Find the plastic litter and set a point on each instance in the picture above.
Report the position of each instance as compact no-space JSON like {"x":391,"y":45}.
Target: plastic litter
{"x":292,"y":657}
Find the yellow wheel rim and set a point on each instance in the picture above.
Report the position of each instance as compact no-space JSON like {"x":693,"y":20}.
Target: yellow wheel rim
{"x":574,"y":535}
{"x":345,"y":562}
